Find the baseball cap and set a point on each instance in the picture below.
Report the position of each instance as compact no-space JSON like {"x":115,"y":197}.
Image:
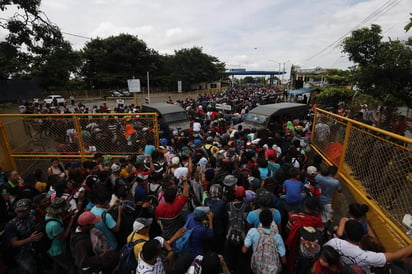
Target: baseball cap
{"x":240,"y":192}
{"x":197,"y":142}
{"x":311,"y":170}
{"x":200,"y":212}
{"x":88,"y":218}
{"x":23,"y":205}
{"x":163,"y":141}
{"x":141,"y":223}
{"x":115,"y":167}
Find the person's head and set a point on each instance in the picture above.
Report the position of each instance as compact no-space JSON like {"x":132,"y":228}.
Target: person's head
{"x":332,"y":170}
{"x":54,"y":162}
{"x":150,"y":251}
{"x":263,"y":198}
{"x":142,"y":225}
{"x":98,"y":157}
{"x":13,"y":176}
{"x":312,"y":204}
{"x":354,"y":231}
{"x":266,"y":217}
{"x":215,"y":191}
{"x":87,"y":220}
{"x":370,"y":243}
{"x":324,"y":171}
{"x":240,"y":193}
{"x":357,"y":210}
{"x":170,"y":194}
{"x":200,"y":213}
{"x":57,"y":207}
{"x":211,"y":263}
{"x":329,"y":257}
{"x":294,"y":173}
{"x":23,"y":207}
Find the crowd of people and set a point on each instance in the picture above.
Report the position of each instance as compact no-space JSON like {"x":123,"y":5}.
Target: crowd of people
{"x":218,"y":198}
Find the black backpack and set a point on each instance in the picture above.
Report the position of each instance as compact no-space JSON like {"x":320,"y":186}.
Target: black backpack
{"x":309,"y":242}
{"x":236,"y":230}
{"x":127,"y":261}
{"x":45,"y":242}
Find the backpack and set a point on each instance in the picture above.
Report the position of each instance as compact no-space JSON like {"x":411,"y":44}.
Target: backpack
{"x":152,"y":196}
{"x":265,"y":259}
{"x":309,"y":242}
{"x":127,"y":260}
{"x":211,"y":158}
{"x":98,"y":240}
{"x":182,"y":244}
{"x":45,"y":242}
{"x":236,"y":231}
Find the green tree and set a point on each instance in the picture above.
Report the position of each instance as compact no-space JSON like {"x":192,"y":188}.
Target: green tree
{"x":109,"y":62}
{"x":59,"y":68}
{"x":30,"y":38}
{"x":383,"y":67}
{"x":192,"y":66}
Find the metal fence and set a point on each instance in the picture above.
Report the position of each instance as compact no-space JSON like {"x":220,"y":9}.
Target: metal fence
{"x":376,"y":166}
{"x":28,"y":137}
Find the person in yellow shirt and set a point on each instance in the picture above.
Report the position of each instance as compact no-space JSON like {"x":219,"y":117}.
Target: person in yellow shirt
{"x":141,"y":228}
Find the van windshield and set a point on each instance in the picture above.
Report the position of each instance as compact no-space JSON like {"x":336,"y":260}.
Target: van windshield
{"x":173,"y":117}
{"x":255,"y":118}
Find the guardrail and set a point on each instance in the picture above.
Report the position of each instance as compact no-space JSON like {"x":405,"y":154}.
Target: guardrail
{"x":376,"y":166}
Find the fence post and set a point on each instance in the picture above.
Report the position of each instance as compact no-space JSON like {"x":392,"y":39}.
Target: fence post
{"x":6,"y":146}
{"x":79,"y":136}
{"x":345,"y":143}
{"x":156,"y":129}
{"x":312,"y":134}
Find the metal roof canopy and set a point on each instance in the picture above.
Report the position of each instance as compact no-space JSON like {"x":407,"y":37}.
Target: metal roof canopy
{"x":277,"y":108}
{"x":164,"y":107}
{"x":255,"y":72}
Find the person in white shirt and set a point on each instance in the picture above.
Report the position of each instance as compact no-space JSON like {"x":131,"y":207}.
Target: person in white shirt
{"x":351,"y":254}
{"x":149,"y":257}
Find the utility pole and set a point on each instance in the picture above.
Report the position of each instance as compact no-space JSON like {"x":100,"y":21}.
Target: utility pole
{"x":148,"y":87}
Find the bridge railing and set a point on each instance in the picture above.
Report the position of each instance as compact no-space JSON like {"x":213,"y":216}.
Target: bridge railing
{"x":30,"y":139}
{"x":376,"y":166}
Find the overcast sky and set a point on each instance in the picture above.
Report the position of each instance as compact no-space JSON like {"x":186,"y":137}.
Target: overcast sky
{"x":256,"y":35}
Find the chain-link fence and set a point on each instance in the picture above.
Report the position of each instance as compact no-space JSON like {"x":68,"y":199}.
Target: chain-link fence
{"x":69,"y":136}
{"x":376,"y":166}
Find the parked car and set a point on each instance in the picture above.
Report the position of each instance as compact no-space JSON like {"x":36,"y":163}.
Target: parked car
{"x":126,"y":93}
{"x":116,"y":93}
{"x":54,"y":98}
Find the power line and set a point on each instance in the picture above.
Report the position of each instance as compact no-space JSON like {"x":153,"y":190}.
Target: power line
{"x":374,"y":15}
{"x":67,"y":33}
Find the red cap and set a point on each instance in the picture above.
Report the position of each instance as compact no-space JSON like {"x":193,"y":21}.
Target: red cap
{"x":88,"y":218}
{"x":240,"y":192}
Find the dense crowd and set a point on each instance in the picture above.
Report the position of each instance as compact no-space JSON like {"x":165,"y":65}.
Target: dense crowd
{"x":218,"y":198}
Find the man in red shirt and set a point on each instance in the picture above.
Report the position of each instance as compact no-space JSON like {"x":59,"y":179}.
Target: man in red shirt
{"x":173,"y":203}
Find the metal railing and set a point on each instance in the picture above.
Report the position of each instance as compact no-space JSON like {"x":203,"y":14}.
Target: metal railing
{"x":376,"y":166}
{"x":66,"y":136}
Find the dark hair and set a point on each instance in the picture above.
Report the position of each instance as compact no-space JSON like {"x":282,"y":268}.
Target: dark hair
{"x":262,"y":162}
{"x":266,"y":217}
{"x":312,"y":203}
{"x":370,"y":243}
{"x":333,"y":170}
{"x":357,"y":210}
{"x":211,"y":263}
{"x":330,"y":255}
{"x":170,"y":194}
{"x":294,"y":172}
{"x":354,"y":230}
{"x":150,"y":249}
{"x":324,"y":171}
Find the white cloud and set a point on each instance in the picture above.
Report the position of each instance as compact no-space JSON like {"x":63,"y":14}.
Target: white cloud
{"x":231,"y":29}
